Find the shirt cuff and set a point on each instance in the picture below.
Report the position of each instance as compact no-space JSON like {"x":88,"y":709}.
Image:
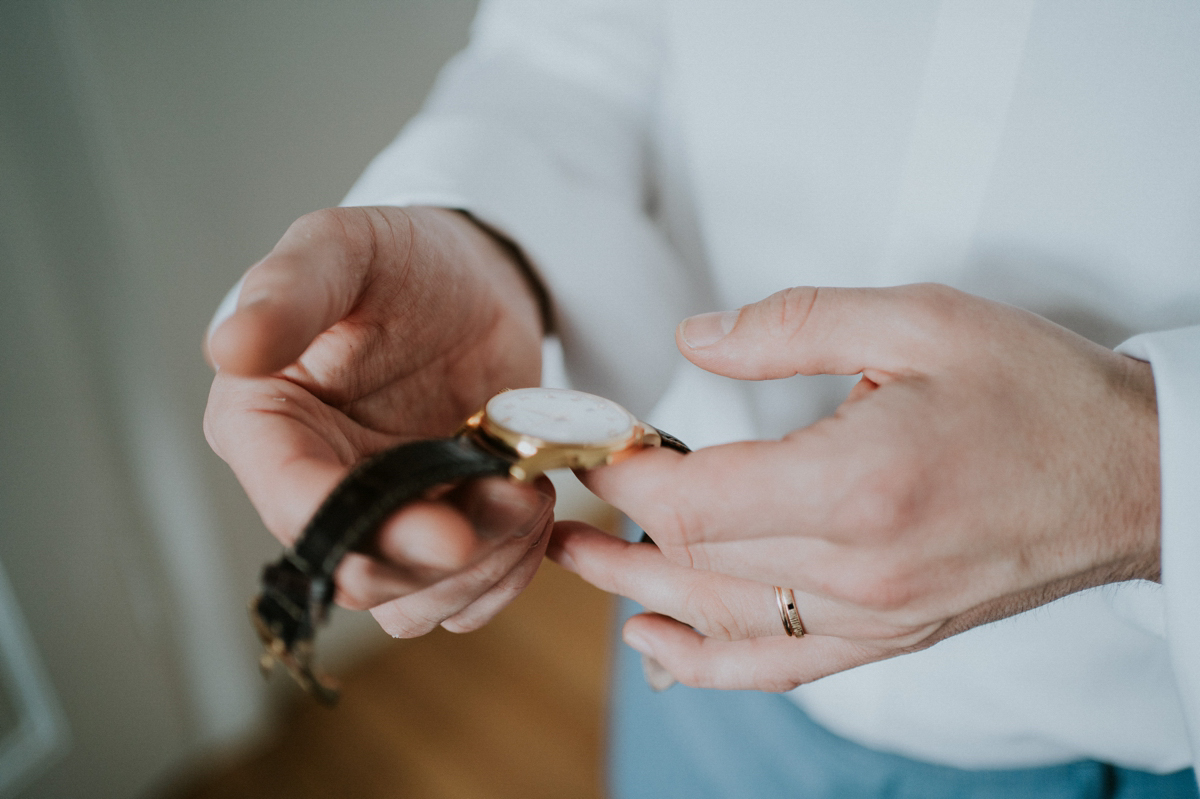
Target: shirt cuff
{"x":1174,"y":356}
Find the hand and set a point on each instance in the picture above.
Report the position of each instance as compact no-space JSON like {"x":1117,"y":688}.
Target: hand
{"x":362,"y":329}
{"x":987,"y":462}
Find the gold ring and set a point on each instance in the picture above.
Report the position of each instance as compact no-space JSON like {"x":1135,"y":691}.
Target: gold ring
{"x":788,"y":612}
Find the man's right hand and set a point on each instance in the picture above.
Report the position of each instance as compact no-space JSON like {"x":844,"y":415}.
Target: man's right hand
{"x":362,"y":329}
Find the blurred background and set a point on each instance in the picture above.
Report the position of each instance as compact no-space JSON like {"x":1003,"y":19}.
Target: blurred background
{"x":149,"y":153}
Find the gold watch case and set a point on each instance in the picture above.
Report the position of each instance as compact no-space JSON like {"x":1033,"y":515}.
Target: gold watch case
{"x":532,"y":456}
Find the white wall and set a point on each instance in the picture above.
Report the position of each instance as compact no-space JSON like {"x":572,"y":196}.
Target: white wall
{"x":149,"y":153}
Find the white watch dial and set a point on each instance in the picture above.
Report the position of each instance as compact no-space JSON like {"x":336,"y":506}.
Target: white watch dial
{"x":560,"y":416}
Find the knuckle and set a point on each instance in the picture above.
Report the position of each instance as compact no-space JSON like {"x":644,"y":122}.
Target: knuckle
{"x":354,"y":585}
{"x":907,"y":638}
{"x":350,"y":233}
{"x":875,"y":513}
{"x":886,"y":631}
{"x":709,"y":611}
{"x":938,"y":305}
{"x":675,"y":528}
{"x":882,"y":589}
{"x":326,"y":223}
{"x":686,"y":515}
{"x":884,"y":503}
{"x":686,"y":526}
{"x":789,"y":310}
{"x":778,"y":682}
{"x":604,"y":574}
{"x":607,"y":576}
{"x":692,"y":675}
{"x":503,"y":595}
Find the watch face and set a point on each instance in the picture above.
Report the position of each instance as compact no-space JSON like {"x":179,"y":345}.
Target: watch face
{"x":560,"y":416}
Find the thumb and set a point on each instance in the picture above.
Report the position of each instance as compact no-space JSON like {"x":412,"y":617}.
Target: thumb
{"x":309,"y":282}
{"x":811,"y":331}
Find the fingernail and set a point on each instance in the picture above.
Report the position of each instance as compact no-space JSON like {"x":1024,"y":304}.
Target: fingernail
{"x":227,"y":308}
{"x":254,"y":300}
{"x":658,"y":678}
{"x":707,"y":328}
{"x":540,"y":508}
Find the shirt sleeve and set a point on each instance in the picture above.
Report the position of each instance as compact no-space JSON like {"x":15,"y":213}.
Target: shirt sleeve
{"x":1174,"y":356}
{"x":540,"y":129}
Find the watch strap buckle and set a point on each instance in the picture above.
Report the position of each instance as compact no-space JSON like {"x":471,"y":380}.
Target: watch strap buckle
{"x":286,"y":615}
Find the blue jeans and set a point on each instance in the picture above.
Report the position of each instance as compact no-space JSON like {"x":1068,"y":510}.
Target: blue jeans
{"x":694,"y":743}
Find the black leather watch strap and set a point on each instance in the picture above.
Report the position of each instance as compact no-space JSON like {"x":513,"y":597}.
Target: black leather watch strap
{"x":671,"y":442}
{"x":298,"y":589}
{"x":380,"y":485}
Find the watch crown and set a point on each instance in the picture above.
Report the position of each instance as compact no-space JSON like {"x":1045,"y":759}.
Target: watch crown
{"x":526,"y":450}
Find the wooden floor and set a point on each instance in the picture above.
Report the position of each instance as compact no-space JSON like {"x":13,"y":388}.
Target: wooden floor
{"x":513,"y":710}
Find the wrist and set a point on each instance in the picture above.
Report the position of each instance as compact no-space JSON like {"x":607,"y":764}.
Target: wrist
{"x":531,"y":285}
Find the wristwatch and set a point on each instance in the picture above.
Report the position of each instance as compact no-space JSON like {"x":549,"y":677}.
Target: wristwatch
{"x":521,"y":433}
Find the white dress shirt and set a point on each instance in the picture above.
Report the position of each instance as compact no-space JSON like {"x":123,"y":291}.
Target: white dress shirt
{"x":657,"y":159}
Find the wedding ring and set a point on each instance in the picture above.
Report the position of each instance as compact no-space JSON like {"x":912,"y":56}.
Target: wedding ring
{"x":788,"y":613}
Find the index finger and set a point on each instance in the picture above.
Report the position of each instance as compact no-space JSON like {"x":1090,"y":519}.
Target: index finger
{"x":803,"y":485}
{"x":263,"y":428}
